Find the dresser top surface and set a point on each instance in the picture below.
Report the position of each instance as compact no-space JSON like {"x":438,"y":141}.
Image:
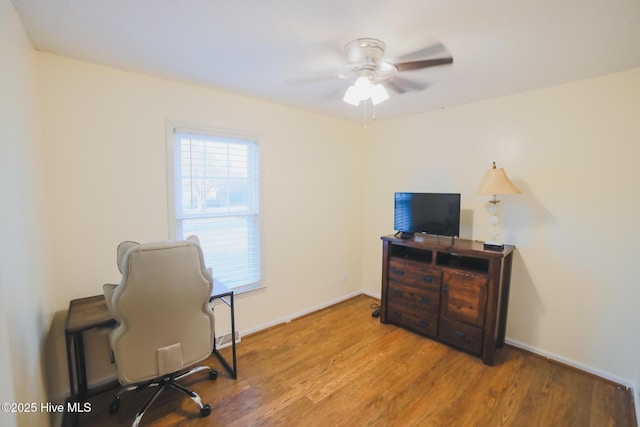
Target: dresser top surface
{"x":444,"y":243}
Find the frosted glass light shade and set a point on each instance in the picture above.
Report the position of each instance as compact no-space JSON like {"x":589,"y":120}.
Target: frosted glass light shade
{"x":364,"y":89}
{"x":496,"y":181}
{"x":351,"y":96}
{"x":378,"y":94}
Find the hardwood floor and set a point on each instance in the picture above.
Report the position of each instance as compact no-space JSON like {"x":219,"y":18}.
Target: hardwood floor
{"x":341,"y":367}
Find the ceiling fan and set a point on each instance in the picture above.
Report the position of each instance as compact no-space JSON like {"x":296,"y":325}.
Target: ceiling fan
{"x":372,"y":73}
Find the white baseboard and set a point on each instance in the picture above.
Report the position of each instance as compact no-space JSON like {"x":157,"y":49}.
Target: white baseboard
{"x":294,"y":316}
{"x":635,"y":388}
{"x":569,"y":362}
{"x":375,"y":295}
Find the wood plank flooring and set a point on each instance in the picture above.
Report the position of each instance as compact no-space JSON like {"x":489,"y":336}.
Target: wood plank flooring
{"x":341,"y":367}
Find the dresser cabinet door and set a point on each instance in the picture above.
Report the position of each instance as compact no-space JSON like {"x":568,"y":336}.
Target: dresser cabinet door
{"x":464,"y":297}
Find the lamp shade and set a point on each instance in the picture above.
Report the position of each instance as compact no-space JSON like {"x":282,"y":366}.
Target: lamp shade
{"x":496,"y":181}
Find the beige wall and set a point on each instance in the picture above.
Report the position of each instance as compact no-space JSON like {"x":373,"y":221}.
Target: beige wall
{"x":90,"y":142}
{"x":25,"y":309}
{"x":106,"y":181}
{"x":573,"y":151}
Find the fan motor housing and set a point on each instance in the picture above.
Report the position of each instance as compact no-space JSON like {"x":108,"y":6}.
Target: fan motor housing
{"x":365,"y":50}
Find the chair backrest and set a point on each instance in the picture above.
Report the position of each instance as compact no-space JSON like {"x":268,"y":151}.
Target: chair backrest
{"x":162,"y":306}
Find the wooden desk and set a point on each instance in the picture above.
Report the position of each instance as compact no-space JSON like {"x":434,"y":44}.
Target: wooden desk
{"x":83,"y":314}
{"x":92,"y":312}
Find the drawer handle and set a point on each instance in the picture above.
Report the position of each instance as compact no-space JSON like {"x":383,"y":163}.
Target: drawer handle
{"x":426,"y":300}
{"x":398,"y":271}
{"x":427,"y":279}
{"x":459,"y":334}
{"x":397,"y":313}
{"x":424,"y":323}
{"x":398,"y":292}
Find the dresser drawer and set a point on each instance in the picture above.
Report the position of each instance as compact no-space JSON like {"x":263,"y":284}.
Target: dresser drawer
{"x":424,"y":324}
{"x":414,"y":298}
{"x":415,"y":273}
{"x":460,"y":335}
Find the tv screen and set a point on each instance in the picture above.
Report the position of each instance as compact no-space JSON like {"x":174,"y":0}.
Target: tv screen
{"x":430,"y":213}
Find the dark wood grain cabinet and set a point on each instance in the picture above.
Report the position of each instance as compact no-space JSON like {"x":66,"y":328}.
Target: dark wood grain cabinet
{"x":451,"y":290}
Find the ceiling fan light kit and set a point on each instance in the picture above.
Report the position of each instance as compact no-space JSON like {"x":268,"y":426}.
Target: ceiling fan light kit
{"x":364,"y":89}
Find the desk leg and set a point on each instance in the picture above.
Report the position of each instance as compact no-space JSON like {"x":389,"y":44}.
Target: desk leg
{"x":68,"y":337}
{"x":75,"y":358}
{"x":75,"y":342}
{"x":233,"y":371}
{"x":81,"y":366}
{"x":233,"y":339}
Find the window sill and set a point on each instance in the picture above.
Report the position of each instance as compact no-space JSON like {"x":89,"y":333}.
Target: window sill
{"x":245,"y":289}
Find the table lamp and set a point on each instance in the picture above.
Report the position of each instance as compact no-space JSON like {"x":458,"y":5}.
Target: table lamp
{"x":495,"y":182}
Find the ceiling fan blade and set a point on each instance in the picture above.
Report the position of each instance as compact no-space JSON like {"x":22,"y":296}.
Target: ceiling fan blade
{"x":425,"y":63}
{"x":344,"y":72}
{"x":336,"y":93}
{"x":310,"y":79}
{"x":395,"y":87}
{"x":425,"y":52}
{"x":410,"y":84}
{"x":400,"y":85}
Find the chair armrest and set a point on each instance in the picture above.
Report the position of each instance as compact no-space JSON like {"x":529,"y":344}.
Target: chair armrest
{"x":108,"y":290}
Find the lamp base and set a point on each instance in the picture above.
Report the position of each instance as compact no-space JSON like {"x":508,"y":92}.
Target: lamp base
{"x":493,"y":246}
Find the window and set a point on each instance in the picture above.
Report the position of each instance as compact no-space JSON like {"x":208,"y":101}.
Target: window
{"x":215,"y":196}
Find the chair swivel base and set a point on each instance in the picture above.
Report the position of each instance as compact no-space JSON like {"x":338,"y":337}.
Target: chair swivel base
{"x":167,"y":382}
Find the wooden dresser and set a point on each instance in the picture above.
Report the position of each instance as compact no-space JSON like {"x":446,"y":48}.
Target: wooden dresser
{"x":451,"y":290}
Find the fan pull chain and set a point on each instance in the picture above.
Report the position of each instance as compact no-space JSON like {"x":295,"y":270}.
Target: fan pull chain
{"x":365,"y":113}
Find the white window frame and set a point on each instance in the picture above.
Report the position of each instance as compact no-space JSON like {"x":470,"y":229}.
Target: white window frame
{"x":177,"y":217}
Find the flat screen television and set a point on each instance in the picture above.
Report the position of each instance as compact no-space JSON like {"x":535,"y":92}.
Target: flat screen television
{"x":430,"y":213}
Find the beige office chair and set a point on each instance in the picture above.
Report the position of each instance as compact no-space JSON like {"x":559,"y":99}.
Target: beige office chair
{"x":165,"y":324}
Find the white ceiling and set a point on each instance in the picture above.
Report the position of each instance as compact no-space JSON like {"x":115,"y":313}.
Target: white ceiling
{"x":256,"y":47}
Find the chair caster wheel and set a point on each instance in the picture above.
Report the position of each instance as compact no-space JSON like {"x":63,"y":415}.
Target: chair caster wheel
{"x":115,"y":406}
{"x":205,"y":410}
{"x":213,"y":374}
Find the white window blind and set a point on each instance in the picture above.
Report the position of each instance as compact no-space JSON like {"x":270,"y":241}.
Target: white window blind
{"x":216,"y":197}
